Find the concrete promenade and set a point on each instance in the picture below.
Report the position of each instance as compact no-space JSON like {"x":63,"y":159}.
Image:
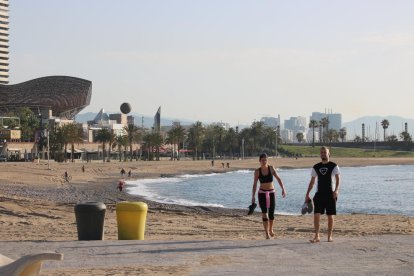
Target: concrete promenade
{"x":370,"y":255}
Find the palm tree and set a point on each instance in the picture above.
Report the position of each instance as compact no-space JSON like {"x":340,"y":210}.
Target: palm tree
{"x":175,"y":136}
{"x":231,"y":141}
{"x":74,"y":134}
{"x":148,"y":145}
{"x":385,"y":124}
{"x":103,"y":136}
{"x":153,"y":141}
{"x":64,"y":136}
{"x":299,"y":136}
{"x":133,"y":134}
{"x":195,"y":137}
{"x":313,"y":124}
{"x":257,"y":130}
{"x":121,"y":141}
{"x":172,"y":140}
{"x":324,"y":123}
{"x":111,"y":143}
{"x":29,"y":122}
{"x":212,"y":139}
{"x":59,"y":141}
{"x":392,"y":139}
{"x":405,"y":136}
{"x":342,"y":133}
{"x":332,"y":135}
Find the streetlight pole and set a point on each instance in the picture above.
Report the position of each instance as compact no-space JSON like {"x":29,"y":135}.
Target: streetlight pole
{"x":242,"y":148}
{"x":48,"y":149}
{"x":277,"y":136}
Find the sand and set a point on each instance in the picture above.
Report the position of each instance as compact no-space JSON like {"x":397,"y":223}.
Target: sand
{"x":36,"y":204}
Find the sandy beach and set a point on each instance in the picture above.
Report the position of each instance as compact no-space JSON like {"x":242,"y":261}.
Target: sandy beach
{"x":38,"y":205}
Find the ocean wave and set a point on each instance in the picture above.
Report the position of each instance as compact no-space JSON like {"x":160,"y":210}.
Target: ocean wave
{"x":197,"y":175}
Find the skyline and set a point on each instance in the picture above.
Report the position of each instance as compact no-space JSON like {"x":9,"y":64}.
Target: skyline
{"x":231,"y":61}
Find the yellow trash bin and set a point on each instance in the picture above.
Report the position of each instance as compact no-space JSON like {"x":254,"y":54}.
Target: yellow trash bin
{"x":131,"y":218}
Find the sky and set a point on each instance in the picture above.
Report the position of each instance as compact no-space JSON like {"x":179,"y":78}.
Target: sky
{"x":231,"y":61}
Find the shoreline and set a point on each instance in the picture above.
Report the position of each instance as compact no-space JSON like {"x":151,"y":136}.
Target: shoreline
{"x":36,"y":201}
{"x":186,"y":199}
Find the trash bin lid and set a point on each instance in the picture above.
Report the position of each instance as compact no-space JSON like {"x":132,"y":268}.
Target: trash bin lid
{"x":90,"y":207}
{"x":131,"y":206}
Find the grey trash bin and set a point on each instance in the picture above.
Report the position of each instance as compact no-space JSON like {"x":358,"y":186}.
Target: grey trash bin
{"x":90,"y":219}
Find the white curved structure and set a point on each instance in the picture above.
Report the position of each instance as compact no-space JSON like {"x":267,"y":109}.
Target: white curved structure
{"x":4,"y":41}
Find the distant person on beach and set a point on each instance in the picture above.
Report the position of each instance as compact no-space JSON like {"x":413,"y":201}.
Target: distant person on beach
{"x":212,"y":163}
{"x":66,"y":176}
{"x":129,"y":173}
{"x":325,"y":198}
{"x":122,"y":172}
{"x":83,"y":168}
{"x":121,"y":185}
{"x":266,"y":193}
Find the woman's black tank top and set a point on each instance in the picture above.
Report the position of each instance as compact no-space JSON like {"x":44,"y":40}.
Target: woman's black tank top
{"x":265,"y":178}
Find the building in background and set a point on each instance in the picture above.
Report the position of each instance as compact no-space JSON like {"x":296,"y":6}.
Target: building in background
{"x":296,"y":124}
{"x":335,"y":119}
{"x":4,"y":41}
{"x":157,"y":120}
{"x":130,"y":120}
{"x":120,"y":118}
{"x":271,"y":121}
{"x":58,"y":96}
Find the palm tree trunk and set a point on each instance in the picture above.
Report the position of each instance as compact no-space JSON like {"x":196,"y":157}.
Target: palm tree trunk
{"x":103,"y":152}
{"x":71,"y":154}
{"x":64,"y":154}
{"x":130,"y":152}
{"x":313,"y":137}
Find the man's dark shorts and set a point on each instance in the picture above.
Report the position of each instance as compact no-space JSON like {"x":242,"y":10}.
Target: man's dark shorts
{"x":324,"y":202}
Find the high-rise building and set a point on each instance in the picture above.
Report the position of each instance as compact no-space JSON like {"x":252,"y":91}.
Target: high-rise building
{"x":296,"y":123}
{"x":120,"y":118}
{"x":335,"y":119}
{"x":157,"y":120}
{"x":4,"y":41}
{"x":270,"y":121}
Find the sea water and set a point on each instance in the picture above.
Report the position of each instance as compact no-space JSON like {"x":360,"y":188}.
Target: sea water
{"x":370,"y":190}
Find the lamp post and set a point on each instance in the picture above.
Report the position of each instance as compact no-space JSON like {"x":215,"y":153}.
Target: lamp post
{"x":242,"y":148}
{"x":48,"y":149}
{"x":39,"y":139}
{"x":277,"y":136}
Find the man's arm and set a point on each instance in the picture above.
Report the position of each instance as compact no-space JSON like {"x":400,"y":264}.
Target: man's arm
{"x":310,"y":186}
{"x":337,"y":184}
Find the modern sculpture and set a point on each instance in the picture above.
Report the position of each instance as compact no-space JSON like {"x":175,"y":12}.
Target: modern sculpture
{"x":125,"y":108}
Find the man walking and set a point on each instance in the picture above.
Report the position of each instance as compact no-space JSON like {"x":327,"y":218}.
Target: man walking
{"x":325,"y":198}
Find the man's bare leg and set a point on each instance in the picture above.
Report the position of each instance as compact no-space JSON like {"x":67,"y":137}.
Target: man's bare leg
{"x":330,"y":227}
{"x":316,"y":219}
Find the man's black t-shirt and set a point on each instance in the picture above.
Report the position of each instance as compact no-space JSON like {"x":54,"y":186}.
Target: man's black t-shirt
{"x":324,"y":173}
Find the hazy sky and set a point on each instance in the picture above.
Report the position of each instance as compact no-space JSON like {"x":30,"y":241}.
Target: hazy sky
{"x":230,"y":61}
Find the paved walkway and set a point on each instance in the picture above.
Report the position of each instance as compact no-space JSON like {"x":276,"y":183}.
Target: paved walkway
{"x":383,"y":255}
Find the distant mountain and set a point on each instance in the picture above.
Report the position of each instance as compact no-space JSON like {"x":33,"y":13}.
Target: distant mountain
{"x":147,"y":121}
{"x":374,"y":122}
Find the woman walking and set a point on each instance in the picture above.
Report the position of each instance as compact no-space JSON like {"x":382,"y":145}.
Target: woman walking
{"x":266,"y":193}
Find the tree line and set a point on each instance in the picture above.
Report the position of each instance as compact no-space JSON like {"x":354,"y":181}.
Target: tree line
{"x":198,"y":140}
